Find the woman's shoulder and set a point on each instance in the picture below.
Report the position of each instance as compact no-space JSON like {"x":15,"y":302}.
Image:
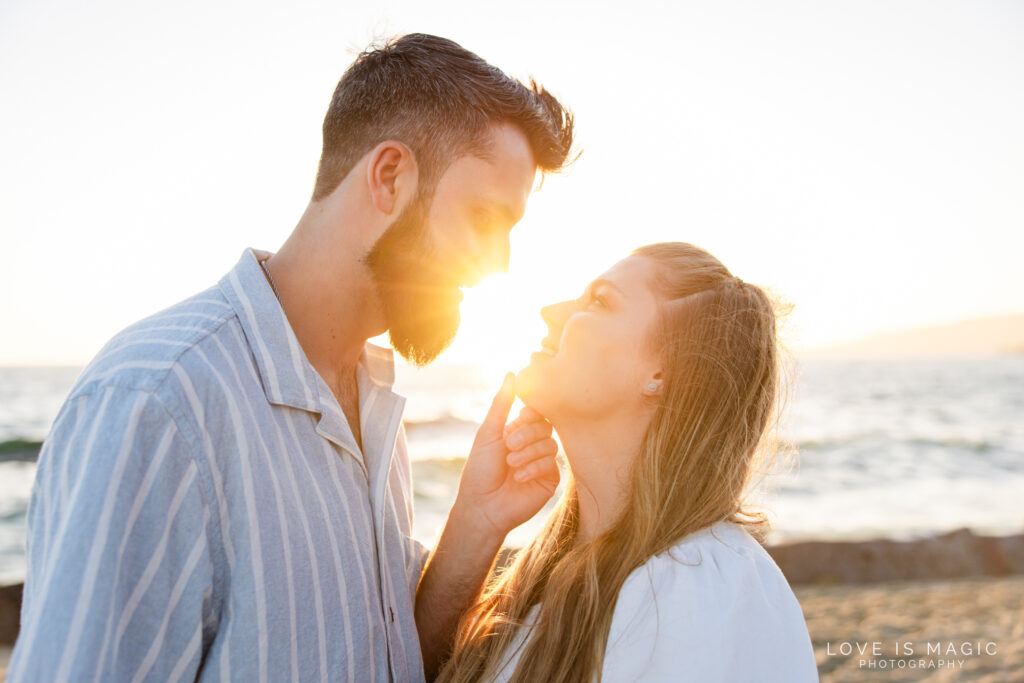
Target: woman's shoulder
{"x":721,"y":557}
{"x":715,"y":604}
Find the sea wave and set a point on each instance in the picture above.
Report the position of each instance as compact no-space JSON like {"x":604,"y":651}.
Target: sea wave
{"x":835,"y":444}
{"x":445,"y":421}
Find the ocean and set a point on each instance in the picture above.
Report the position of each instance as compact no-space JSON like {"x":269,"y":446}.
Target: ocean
{"x":878,"y":448}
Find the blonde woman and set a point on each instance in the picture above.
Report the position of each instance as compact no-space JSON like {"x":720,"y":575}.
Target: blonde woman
{"x":661,"y":381}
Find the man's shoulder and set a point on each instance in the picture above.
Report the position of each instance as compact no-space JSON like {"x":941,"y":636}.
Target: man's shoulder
{"x":141,"y":356}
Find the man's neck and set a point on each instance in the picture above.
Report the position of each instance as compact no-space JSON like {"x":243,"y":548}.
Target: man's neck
{"x":328,"y":295}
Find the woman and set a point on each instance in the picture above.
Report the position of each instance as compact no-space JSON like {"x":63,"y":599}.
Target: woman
{"x":661,"y":382}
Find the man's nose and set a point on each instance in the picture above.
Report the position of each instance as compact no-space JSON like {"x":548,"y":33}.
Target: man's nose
{"x":504,"y":254}
{"x":498,"y":254}
{"x":492,"y":257}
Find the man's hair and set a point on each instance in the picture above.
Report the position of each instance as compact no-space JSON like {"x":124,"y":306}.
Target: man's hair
{"x":438,"y":99}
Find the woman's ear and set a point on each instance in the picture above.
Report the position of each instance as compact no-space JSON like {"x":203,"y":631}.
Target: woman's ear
{"x":654,"y":384}
{"x":391,"y":176}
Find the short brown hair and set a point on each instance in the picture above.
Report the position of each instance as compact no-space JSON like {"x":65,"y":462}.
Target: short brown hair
{"x":437,"y":98}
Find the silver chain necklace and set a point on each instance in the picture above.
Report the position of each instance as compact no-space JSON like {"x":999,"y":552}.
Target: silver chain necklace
{"x":270,"y":278}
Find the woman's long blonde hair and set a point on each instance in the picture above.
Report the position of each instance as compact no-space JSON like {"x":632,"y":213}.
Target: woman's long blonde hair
{"x":706,"y":440}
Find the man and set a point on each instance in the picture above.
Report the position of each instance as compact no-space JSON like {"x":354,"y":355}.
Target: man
{"x":226,"y":492}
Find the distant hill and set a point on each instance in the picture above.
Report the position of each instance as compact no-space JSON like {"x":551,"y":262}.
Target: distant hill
{"x":994,"y":335}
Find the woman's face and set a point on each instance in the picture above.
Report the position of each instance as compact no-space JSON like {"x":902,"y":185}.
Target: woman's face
{"x":597,"y":360}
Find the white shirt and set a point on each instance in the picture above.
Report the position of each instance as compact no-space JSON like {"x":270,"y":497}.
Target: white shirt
{"x":715,"y":607}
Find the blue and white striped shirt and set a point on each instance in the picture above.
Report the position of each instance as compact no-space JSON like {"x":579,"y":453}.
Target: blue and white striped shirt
{"x":202,"y":511}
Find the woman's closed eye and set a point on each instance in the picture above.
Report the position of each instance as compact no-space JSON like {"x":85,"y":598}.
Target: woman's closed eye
{"x":592,"y":301}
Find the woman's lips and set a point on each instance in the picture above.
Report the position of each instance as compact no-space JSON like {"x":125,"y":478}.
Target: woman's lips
{"x":548,"y":349}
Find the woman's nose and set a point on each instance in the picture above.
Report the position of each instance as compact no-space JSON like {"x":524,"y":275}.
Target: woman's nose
{"x":555,"y":314}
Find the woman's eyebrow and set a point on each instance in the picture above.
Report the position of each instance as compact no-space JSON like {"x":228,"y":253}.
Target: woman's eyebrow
{"x":601,"y":282}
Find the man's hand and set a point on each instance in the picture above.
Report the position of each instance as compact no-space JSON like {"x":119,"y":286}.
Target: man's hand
{"x":511,"y":470}
{"x":510,"y":473}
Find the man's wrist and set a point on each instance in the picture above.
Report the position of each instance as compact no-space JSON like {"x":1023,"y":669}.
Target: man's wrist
{"x":472,"y":529}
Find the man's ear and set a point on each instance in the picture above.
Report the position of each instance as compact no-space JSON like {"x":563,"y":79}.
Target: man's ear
{"x":391,"y":176}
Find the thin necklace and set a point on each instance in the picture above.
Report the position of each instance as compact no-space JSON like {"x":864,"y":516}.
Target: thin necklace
{"x":270,"y":278}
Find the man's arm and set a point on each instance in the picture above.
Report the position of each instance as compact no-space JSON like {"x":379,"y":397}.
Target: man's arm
{"x":118,"y":561}
{"x":451,"y":583}
{"x":509,"y":475}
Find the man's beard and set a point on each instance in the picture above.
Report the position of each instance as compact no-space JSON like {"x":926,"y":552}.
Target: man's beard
{"x":420,"y":296}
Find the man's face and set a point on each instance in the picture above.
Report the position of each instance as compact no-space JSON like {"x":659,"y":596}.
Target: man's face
{"x":451,"y":240}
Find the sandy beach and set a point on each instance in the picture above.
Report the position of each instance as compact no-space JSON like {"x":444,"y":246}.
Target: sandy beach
{"x":980,"y":616}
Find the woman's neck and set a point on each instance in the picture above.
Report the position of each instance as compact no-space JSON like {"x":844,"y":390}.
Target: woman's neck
{"x":601,"y":455}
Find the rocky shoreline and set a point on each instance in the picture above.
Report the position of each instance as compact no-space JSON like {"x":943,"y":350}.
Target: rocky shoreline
{"x":954,"y":555}
{"x":10,"y":613}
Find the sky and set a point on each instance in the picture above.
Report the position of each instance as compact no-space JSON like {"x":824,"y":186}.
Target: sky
{"x":863,"y":160}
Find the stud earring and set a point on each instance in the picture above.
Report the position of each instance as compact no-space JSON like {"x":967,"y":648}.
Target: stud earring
{"x":652,"y":387}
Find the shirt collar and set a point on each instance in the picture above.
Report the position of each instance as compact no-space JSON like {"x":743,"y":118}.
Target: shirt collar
{"x":288,"y":377}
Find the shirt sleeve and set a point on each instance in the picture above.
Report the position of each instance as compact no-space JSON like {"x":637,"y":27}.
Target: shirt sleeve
{"x":119,"y":573}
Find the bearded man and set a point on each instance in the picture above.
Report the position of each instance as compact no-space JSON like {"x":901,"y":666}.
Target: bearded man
{"x":225,"y":494}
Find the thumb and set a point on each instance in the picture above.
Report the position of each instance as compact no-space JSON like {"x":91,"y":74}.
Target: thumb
{"x":493,"y":426}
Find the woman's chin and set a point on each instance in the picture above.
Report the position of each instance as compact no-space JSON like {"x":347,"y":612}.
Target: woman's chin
{"x":531,"y":385}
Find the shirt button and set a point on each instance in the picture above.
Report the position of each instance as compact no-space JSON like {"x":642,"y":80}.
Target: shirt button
{"x":392,"y":611}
